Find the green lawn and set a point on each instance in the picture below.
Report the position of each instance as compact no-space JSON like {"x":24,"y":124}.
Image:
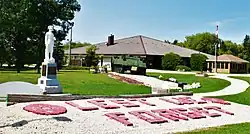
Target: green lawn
{"x":242,"y":98}
{"x":243,"y":128}
{"x":207,"y":84}
{"x":80,"y":82}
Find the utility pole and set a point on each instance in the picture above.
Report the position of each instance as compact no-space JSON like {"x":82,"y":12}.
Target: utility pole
{"x":216,"y":44}
{"x":70,"y":41}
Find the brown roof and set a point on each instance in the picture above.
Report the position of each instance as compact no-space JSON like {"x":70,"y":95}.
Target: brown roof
{"x":139,"y":45}
{"x":229,"y":58}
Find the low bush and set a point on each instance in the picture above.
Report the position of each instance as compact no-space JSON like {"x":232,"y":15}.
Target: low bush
{"x":170,"y":61}
{"x":75,"y":68}
{"x":198,"y":62}
{"x":182,"y":68}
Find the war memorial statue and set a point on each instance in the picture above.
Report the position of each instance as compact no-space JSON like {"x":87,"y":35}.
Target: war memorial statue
{"x":48,"y":81}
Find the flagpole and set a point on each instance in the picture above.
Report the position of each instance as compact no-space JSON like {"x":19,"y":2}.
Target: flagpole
{"x":217,"y":32}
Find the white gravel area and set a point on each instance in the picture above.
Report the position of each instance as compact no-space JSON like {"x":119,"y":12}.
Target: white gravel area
{"x":94,"y":122}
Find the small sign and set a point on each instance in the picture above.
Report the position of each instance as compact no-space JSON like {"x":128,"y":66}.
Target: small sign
{"x":133,"y":68}
{"x":52,"y":71}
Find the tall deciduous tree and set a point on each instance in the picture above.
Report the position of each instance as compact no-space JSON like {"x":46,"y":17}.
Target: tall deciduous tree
{"x":25,"y":23}
{"x":203,"y":42}
{"x":246,"y":51}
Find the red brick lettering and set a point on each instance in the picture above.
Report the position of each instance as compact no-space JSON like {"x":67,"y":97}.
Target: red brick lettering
{"x":218,"y":109}
{"x":202,"y":111}
{"x":144,"y":116}
{"x":170,"y":101}
{"x":169,"y":114}
{"x":80,"y":107}
{"x":125,"y":103}
{"x":192,"y":115}
{"x":185,"y":100}
{"x":215,"y":100}
{"x":120,"y":117}
{"x":101,"y":104}
{"x":143,"y":101}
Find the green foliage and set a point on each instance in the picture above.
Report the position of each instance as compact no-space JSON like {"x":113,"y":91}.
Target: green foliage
{"x":229,"y":48}
{"x":75,"y":68}
{"x":203,"y":42}
{"x":198,"y":62}
{"x":58,"y":54}
{"x":75,"y":45}
{"x":207,"y":84}
{"x":24,"y":39}
{"x":170,"y":61}
{"x":246,"y":51}
{"x":182,"y":67}
{"x":91,"y":58}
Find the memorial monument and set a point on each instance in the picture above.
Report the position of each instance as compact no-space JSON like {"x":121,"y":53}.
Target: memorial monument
{"x":48,"y":81}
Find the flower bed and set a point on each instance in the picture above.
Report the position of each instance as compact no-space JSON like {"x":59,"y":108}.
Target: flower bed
{"x":125,"y":79}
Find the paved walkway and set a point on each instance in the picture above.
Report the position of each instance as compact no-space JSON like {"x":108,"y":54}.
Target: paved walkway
{"x":237,"y":86}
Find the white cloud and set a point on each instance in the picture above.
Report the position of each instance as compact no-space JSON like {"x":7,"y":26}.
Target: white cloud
{"x":226,"y":21}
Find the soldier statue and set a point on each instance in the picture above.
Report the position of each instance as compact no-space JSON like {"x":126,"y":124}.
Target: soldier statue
{"x":49,"y":43}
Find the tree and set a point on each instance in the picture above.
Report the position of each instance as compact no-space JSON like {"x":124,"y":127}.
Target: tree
{"x":34,"y":16}
{"x":203,"y":42}
{"x":75,"y":45}
{"x":198,"y":62}
{"x":58,"y":54}
{"x":229,"y":48}
{"x":170,"y":61}
{"x":246,"y":52}
{"x":91,"y":59}
{"x":175,"y":42}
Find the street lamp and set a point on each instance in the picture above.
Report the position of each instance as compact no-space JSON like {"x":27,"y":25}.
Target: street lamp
{"x":70,"y":41}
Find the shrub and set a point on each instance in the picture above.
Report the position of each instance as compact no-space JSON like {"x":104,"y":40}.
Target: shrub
{"x":182,"y":67}
{"x":170,"y":61}
{"x":198,"y":62}
{"x":75,"y":68}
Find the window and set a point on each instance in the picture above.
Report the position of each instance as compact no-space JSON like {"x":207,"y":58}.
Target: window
{"x":226,"y":66}
{"x":218,"y":65}
{"x":222,"y":65}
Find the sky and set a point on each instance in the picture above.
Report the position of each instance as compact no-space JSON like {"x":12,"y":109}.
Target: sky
{"x":160,"y":19}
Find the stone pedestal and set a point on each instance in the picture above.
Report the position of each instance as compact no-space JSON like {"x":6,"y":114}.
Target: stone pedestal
{"x":48,"y":81}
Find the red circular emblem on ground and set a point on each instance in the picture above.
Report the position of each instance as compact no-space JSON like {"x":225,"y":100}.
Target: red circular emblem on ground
{"x":45,"y":109}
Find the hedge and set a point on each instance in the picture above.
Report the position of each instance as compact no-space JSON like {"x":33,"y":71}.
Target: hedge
{"x":170,"y":61}
{"x":198,"y":62}
{"x":182,"y":68}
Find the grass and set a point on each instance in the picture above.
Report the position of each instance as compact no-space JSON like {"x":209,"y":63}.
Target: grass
{"x":207,"y":84}
{"x":241,"y":98}
{"x":243,"y":128}
{"x":80,"y":82}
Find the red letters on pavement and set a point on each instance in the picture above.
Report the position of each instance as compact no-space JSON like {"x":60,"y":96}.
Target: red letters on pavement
{"x":143,"y":101}
{"x":169,"y":114}
{"x":215,"y":100}
{"x":192,"y":115}
{"x":152,"y":119}
{"x":80,"y":107}
{"x":125,"y":103}
{"x":120,"y":118}
{"x":218,"y":109}
{"x":103,"y":105}
{"x":202,"y":111}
